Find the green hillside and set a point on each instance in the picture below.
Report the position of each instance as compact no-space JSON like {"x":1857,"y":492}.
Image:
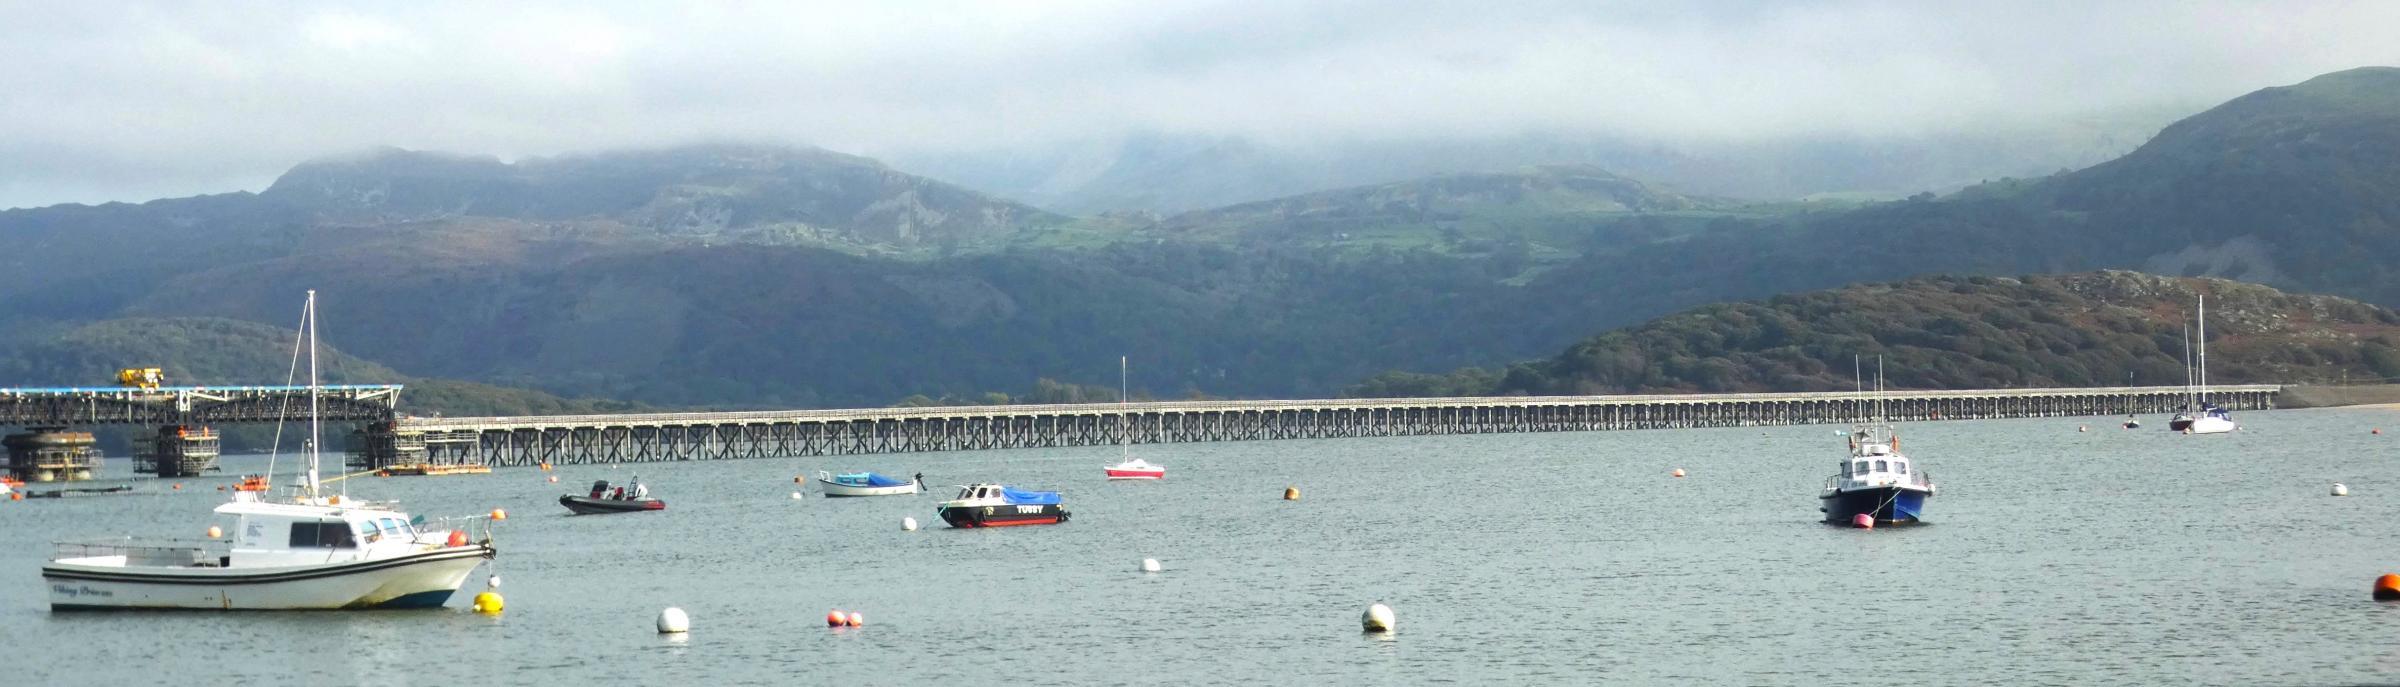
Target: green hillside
{"x":2093,"y":329}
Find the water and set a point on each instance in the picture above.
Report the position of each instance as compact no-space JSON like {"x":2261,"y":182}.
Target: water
{"x":2053,"y":556}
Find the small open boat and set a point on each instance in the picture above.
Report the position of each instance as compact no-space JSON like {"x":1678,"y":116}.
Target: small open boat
{"x":865,"y":484}
{"x":993,"y":505}
{"x":1136,"y":468}
{"x":631,"y":498}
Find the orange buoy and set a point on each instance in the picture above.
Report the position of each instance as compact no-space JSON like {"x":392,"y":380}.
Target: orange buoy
{"x":178,"y":486}
{"x":2387,"y":588}
{"x":215,"y":532}
{"x":834,"y":618}
{"x":1291,"y":493}
{"x":498,"y":514}
{"x":2375,"y":431}
{"x":855,"y":619}
{"x":554,"y":479}
{"x":796,"y":479}
{"x":1863,"y":521}
{"x":16,"y":496}
{"x":458,"y":538}
{"x":1678,"y":472}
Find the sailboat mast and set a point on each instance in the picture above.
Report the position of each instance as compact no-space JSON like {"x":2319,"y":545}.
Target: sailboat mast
{"x":309,"y":319}
{"x":2203,"y":390}
{"x":1124,"y":431}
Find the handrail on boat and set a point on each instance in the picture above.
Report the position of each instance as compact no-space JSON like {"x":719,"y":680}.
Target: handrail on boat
{"x":177,"y":551}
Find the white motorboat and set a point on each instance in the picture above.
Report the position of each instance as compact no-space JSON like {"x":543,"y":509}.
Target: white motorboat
{"x":318,"y":552}
{"x":280,"y":557}
{"x":865,"y":484}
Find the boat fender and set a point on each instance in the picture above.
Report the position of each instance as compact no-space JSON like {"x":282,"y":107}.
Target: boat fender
{"x":987,"y":511}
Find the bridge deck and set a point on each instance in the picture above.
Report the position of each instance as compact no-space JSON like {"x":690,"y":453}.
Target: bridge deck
{"x":1349,"y":404}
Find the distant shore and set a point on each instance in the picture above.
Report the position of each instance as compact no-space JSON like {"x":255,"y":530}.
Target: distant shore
{"x":2382,"y":396}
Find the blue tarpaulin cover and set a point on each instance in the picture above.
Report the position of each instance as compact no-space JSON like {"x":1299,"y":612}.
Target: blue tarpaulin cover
{"x":1029,"y":498}
{"x":868,"y":479}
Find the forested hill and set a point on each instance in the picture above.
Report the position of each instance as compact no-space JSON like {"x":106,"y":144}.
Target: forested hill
{"x":2295,"y":187}
{"x":2092,"y":329}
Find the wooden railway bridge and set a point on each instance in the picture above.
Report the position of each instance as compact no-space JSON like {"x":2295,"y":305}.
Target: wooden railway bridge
{"x":632,"y":438}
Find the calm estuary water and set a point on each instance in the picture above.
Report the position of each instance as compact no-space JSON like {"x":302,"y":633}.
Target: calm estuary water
{"x":2053,"y":556}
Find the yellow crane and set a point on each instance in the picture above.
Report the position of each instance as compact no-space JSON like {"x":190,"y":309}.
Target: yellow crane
{"x":141,"y":377}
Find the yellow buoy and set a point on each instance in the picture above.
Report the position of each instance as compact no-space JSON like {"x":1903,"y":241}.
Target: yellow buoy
{"x":1291,"y":493}
{"x":488,"y":602}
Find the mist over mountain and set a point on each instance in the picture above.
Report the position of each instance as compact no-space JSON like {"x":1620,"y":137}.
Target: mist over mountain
{"x":743,"y":275}
{"x":1170,"y":174}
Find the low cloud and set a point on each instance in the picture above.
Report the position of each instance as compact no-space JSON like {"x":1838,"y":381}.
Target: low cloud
{"x":141,"y":101}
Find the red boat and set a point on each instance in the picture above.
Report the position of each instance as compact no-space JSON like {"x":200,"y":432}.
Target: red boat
{"x":1136,"y":469}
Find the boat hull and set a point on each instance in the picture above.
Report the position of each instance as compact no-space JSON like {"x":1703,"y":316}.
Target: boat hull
{"x":2180,"y":423}
{"x":1160,"y":473}
{"x":2208,"y":425}
{"x":1888,"y":505}
{"x":832,"y":488}
{"x":1003,"y":516}
{"x":585,"y":505}
{"x":420,"y":580}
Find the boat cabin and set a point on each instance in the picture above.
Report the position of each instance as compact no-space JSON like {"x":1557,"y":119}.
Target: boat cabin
{"x":270,"y":534}
{"x":979,"y":491}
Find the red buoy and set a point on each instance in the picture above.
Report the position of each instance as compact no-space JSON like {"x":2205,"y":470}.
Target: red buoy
{"x":458,"y":537}
{"x":1863,"y":521}
{"x":2387,"y":588}
{"x":834,"y":618}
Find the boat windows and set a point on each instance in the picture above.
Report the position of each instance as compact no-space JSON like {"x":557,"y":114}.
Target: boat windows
{"x":1900,"y":467}
{"x":1858,"y":469}
{"x":314,"y":535}
{"x":1881,"y":467}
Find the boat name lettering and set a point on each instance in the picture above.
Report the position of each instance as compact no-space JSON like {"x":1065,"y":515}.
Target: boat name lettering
{"x":64,"y":590}
{"x":1029,"y":509}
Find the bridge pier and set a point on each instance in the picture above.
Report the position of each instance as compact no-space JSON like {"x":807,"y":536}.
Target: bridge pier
{"x":177,"y":451}
{"x":52,"y":454}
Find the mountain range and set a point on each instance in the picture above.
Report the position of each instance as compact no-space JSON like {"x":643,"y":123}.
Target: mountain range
{"x":743,"y":275}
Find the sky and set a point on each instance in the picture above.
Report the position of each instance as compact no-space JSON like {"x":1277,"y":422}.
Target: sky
{"x":133,"y":101}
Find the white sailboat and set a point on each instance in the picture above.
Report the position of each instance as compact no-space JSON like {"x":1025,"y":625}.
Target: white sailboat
{"x":320,"y":552}
{"x":1129,"y":467}
{"x":2211,"y":419}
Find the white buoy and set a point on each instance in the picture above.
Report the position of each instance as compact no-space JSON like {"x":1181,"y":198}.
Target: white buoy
{"x":1150,"y":565}
{"x":2340,"y":489}
{"x":796,"y":496}
{"x":493,"y":582}
{"x":673,"y":621}
{"x":1378,"y":618}
{"x":908,"y":524}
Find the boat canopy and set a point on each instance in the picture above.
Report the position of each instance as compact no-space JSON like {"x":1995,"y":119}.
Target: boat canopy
{"x":1029,"y":498}
{"x":868,"y":479}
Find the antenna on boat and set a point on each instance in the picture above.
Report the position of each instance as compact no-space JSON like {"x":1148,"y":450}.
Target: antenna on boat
{"x":1858,"y":387}
{"x":1880,"y":415}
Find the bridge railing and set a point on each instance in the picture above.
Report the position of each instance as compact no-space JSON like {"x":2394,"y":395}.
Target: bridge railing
{"x":954,"y":412}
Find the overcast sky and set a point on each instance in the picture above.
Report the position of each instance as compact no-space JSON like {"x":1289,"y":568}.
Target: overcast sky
{"x":131,"y":102}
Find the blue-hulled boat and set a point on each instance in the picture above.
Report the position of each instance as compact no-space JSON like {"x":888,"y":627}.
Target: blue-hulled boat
{"x":1877,"y":481}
